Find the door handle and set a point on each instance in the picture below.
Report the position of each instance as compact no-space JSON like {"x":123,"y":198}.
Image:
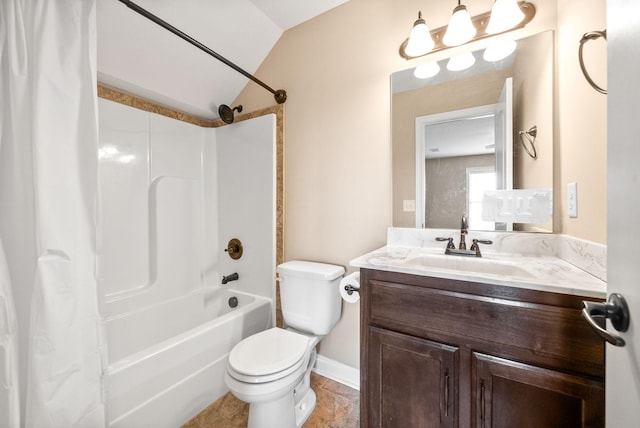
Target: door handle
{"x":616,"y":310}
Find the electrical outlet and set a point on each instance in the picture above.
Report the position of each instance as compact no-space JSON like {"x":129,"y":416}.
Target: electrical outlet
{"x":409,"y":205}
{"x":572,"y":199}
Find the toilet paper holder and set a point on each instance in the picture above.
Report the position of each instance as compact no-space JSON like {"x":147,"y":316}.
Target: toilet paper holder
{"x":350,"y":289}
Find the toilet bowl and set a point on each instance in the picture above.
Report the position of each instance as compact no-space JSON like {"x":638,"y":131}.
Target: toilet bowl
{"x":271,"y":370}
{"x":277,"y":384}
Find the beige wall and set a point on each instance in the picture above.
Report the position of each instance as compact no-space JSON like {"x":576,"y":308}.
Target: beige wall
{"x":533,"y":97}
{"x":336,"y":71}
{"x":581,"y":122}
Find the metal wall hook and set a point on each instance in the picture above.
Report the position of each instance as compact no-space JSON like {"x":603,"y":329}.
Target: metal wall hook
{"x":530,"y":136}
{"x":591,"y":35}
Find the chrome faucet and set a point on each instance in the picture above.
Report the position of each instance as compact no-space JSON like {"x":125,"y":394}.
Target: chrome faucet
{"x":464,"y":226}
{"x":474,"y":251}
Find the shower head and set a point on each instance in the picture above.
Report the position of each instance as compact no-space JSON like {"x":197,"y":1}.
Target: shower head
{"x":226,"y":113}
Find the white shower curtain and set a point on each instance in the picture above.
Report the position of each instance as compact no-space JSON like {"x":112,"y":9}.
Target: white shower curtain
{"x":9,"y":389}
{"x":48,"y":174}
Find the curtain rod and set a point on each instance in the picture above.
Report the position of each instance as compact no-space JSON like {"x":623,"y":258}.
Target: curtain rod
{"x":280,"y":95}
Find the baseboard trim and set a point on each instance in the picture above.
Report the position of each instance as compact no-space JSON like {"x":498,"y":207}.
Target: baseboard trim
{"x":334,"y":370}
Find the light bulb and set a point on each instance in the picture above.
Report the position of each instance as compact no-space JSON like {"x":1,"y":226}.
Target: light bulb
{"x":420,"y":40}
{"x":505,"y":14}
{"x":461,"y":62}
{"x":424,"y":71}
{"x":460,"y":29}
{"x":499,"y":50}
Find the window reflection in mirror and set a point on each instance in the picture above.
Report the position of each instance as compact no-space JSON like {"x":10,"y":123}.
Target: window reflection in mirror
{"x":441,"y":195}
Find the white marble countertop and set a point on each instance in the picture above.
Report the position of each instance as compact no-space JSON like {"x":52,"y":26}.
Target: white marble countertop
{"x":543,"y":272}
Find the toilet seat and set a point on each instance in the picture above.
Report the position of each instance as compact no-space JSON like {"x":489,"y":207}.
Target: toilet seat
{"x":267,"y":356}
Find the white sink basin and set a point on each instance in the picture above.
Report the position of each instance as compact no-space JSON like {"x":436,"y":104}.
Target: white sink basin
{"x":470,"y":264}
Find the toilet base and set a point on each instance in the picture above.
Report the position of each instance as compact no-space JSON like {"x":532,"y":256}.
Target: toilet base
{"x":304,"y":407}
{"x":286,"y":412}
{"x":279,"y":413}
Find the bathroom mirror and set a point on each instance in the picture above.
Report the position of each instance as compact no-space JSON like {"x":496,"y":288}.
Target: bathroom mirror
{"x":450,"y":139}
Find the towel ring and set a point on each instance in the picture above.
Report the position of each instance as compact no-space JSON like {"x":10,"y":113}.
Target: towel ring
{"x":592,"y":35}
{"x":530,"y":136}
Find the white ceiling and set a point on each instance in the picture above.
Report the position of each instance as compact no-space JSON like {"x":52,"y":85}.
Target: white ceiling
{"x":462,"y":137}
{"x":289,"y":13}
{"x":138,"y":56}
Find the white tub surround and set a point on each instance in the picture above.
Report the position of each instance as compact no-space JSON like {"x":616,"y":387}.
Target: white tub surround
{"x":171,"y":196}
{"x":545,"y":262}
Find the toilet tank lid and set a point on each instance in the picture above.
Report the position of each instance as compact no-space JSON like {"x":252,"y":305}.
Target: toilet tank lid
{"x":315,"y":270}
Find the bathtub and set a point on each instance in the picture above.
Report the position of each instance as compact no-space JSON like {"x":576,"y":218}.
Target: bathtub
{"x":172,"y":377}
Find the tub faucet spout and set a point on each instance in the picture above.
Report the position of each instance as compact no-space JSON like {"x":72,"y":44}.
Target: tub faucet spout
{"x":229,"y":278}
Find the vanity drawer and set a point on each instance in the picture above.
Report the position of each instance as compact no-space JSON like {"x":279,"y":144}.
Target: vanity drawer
{"x":550,"y":332}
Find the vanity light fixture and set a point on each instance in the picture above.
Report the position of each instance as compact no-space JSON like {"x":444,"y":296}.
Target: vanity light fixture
{"x":504,"y":15}
{"x":420,"y":41}
{"x":419,"y":46}
{"x":461,"y":62}
{"x":460,"y":29}
{"x":499,"y":50}
{"x":427,"y":70}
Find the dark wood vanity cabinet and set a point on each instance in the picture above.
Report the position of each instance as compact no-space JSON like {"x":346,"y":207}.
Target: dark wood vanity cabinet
{"x":444,"y":353}
{"x":414,"y":381}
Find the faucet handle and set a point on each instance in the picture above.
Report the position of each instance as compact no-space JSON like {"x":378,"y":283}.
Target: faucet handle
{"x":475,"y":243}
{"x":450,"y":244}
{"x":475,"y":247}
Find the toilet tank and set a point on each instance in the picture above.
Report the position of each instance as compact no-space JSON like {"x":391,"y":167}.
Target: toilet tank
{"x":310,"y":296}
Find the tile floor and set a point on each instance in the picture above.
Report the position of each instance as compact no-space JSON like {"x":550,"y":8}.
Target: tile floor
{"x":338,"y":406}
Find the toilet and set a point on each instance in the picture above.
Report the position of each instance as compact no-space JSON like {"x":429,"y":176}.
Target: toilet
{"x":271,"y":370}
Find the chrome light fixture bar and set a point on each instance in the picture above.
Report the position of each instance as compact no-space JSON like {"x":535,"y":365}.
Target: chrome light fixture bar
{"x":480,"y":22}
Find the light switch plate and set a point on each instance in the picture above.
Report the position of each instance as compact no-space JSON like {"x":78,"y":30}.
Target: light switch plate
{"x":572,"y":199}
{"x":409,"y":205}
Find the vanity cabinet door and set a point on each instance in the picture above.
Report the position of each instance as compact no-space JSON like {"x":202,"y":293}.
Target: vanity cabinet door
{"x":508,"y":394}
{"x":413,"y":382}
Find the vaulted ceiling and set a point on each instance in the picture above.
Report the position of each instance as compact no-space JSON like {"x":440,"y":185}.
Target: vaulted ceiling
{"x":140,"y":57}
